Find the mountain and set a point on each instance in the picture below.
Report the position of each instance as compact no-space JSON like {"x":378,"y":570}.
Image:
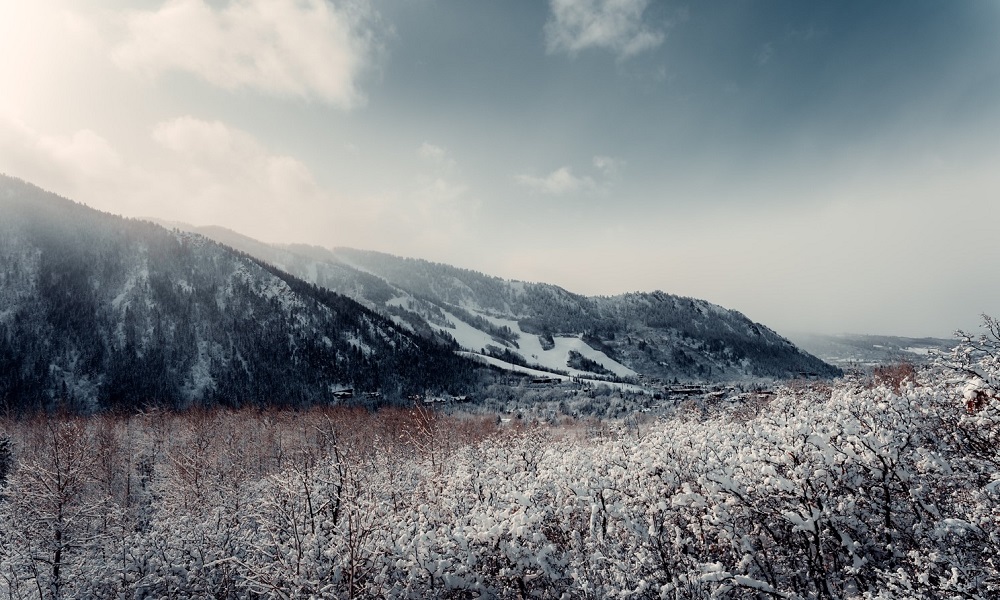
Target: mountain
{"x":856,"y":350}
{"x":544,"y":326}
{"x":98,"y":312}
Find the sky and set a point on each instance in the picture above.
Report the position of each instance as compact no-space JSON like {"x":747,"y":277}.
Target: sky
{"x":823,"y":167}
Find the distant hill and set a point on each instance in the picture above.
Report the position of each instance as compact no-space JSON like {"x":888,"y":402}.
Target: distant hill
{"x":102,"y":313}
{"x":544,"y":326}
{"x":856,"y":350}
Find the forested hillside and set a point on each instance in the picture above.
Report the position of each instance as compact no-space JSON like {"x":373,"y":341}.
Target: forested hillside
{"x":102,"y":313}
{"x":655,"y":333}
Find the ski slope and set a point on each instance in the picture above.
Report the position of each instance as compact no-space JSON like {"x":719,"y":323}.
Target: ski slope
{"x":530,"y":347}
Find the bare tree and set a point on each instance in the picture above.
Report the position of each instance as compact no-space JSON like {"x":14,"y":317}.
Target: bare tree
{"x":55,"y":509}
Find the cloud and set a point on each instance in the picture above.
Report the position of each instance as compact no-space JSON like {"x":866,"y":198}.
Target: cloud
{"x":210,"y":143}
{"x":305,"y":48}
{"x":440,"y":206}
{"x":614,"y":25}
{"x":438,"y":186}
{"x":66,"y":162}
{"x":85,"y":152}
{"x":440,"y":201}
{"x":436,"y":155}
{"x":204,"y":172}
{"x":561,"y":181}
{"x":208,"y":172}
{"x":764,"y":54}
{"x":225,"y":175}
{"x":608,"y":165}
{"x":564,"y":181}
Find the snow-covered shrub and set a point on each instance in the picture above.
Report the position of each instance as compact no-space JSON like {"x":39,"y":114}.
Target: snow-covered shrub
{"x":864,"y":489}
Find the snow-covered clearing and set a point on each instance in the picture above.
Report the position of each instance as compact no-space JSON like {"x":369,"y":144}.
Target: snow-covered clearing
{"x":530,"y":347}
{"x":578,"y":375}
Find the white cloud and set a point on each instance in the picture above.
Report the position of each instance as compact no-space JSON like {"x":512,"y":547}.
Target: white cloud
{"x":614,"y":25}
{"x":208,"y":172}
{"x":561,"y":181}
{"x":204,"y":173}
{"x":564,"y":181}
{"x":225,"y":175}
{"x":441,"y":204}
{"x":436,"y":155}
{"x":50,"y":59}
{"x":209,"y":142}
{"x":66,"y":163}
{"x":430,"y":151}
{"x":85,"y":151}
{"x":304,"y":48}
{"x":608,"y":165}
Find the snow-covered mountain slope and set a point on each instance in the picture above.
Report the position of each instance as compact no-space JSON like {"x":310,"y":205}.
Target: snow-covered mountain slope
{"x":544,"y":326}
{"x":99,"y":312}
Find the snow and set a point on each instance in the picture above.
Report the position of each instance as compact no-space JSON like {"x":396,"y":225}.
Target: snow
{"x":712,"y":506}
{"x":475,"y":341}
{"x":466,"y":335}
{"x":402,"y":324}
{"x":565,"y":344}
{"x":530,"y":347}
{"x":399,"y":302}
{"x":496,"y":362}
{"x":585,"y":378}
{"x":359,"y":344}
{"x":199,"y":378}
{"x":139,"y":276}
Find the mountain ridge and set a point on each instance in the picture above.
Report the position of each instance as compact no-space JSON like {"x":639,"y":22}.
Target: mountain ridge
{"x":114,"y":312}
{"x":99,"y":312}
{"x":862,"y":351}
{"x":653,"y":334}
